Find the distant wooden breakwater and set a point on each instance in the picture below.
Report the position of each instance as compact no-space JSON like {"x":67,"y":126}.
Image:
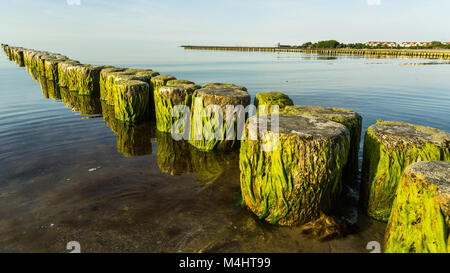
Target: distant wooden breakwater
{"x":430,"y":54}
{"x":405,"y":172}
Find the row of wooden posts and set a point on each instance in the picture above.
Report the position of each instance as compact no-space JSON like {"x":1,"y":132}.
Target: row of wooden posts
{"x":405,"y":172}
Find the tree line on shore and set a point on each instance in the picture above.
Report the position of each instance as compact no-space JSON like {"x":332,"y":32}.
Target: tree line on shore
{"x":337,"y":45}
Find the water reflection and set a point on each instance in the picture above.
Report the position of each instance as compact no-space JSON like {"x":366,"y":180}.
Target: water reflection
{"x":33,"y":74}
{"x":85,"y":105}
{"x":178,"y":157}
{"x":132,"y":140}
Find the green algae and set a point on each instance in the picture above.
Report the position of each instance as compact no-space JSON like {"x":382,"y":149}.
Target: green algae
{"x":51,"y":69}
{"x":108,"y":114}
{"x":296,"y":182}
{"x":176,"y":92}
{"x":158,"y":81}
{"x":271,"y":98}
{"x":111,"y":81}
{"x":198,"y":121}
{"x":113,"y":75}
{"x":161,"y":80}
{"x":384,"y":161}
{"x":103,"y":81}
{"x":67,"y":74}
{"x":17,"y":56}
{"x":87,"y":80}
{"x":131,"y":100}
{"x":201,"y":117}
{"x":417,"y":223}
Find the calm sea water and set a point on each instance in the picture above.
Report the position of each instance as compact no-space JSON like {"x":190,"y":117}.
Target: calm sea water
{"x":68,"y":172}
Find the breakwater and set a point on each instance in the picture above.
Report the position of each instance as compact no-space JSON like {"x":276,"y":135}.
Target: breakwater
{"x":296,"y":183}
{"x":410,"y":53}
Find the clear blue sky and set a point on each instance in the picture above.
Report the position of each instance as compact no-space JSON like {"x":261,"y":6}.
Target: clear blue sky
{"x":231,"y":22}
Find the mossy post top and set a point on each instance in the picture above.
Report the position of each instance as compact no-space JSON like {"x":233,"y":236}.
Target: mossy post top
{"x":224,"y":85}
{"x":273,"y":98}
{"x":110,"y":70}
{"x":183,"y":83}
{"x":331,"y":113}
{"x":303,"y":126}
{"x":137,"y":70}
{"x":395,"y":133}
{"x":223,"y":96}
{"x":176,"y":93}
{"x":143,"y":76}
{"x":130,"y":74}
{"x":164,"y":78}
{"x":436,"y":173}
{"x":144,"y":72}
{"x":55,"y":60}
{"x":131,"y":86}
{"x":89,"y":67}
{"x":68,"y":63}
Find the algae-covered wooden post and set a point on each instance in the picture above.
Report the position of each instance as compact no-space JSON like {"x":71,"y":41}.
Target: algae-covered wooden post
{"x":301,"y":176}
{"x":18,"y":55}
{"x":272,"y":98}
{"x":109,"y":84}
{"x":348,"y":118}
{"x":420,"y":218}
{"x":110,"y":76}
{"x":51,"y":67}
{"x":209,"y":127}
{"x":105,"y":76}
{"x":389,"y":147}
{"x":87,"y":79}
{"x":155,"y":83}
{"x":176,"y":92}
{"x":67,"y":74}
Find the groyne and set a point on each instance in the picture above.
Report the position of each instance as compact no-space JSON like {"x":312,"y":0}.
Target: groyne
{"x":314,"y":150}
{"x":411,"y":53}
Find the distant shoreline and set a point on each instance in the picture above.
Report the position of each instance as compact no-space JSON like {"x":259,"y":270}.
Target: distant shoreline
{"x":419,"y":53}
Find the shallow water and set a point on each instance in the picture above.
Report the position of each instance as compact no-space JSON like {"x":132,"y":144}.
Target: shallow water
{"x":69,"y":172}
